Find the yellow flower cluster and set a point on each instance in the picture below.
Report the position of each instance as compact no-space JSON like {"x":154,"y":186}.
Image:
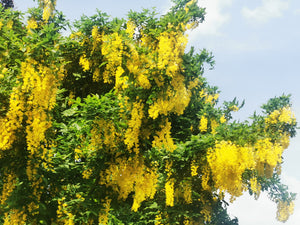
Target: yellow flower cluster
{"x":9,"y":182}
{"x":10,"y":24}
{"x":176,"y":99}
{"x":169,"y":190}
{"x":144,"y":191}
{"x":87,"y":173}
{"x":213,"y":124}
{"x":169,"y":185}
{"x":205,"y":178}
{"x":284,"y":210}
{"x":222,"y":119}
{"x":194,"y":168}
{"x":163,"y":138}
{"x":206,"y":212}
{"x":64,"y":216}
{"x":112,"y":50}
{"x":131,"y":175}
{"x":170,"y":49}
{"x":48,"y":6}
{"x":284,"y":115}
{"x":121,"y":81}
{"x":139,"y":64}
{"x":95,"y":34}
{"x":187,"y":191}
{"x":103,"y":216}
{"x":158,"y":219}
{"x":104,"y":137}
{"x":228,"y":162}
{"x":70,"y":220}
{"x":31,"y":24}
{"x":143,"y":81}
{"x":84,"y":62}
{"x":13,"y":119}
{"x":284,"y":141}
{"x":134,"y":125}
{"x":130,"y":28}
{"x":15,"y":217}
{"x":32,"y":208}
{"x":234,"y":108}
{"x":32,"y":100}
{"x":61,"y":208}
{"x":186,"y":8}
{"x":203,"y":124}
{"x":268,"y":152}
{"x":255,"y":187}
{"x":209,"y":98}
{"x":41,"y":83}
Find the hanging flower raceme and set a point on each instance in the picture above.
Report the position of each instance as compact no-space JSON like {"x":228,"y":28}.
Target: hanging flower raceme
{"x":48,"y":7}
{"x":228,"y":162}
{"x":131,"y":175}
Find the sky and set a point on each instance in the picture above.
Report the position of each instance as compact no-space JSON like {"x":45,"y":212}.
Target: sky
{"x":257,"y":52}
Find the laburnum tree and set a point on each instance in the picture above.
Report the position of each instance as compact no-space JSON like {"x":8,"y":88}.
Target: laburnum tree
{"x":116,"y":124}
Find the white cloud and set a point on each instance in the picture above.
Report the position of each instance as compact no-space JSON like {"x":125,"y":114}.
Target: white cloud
{"x":268,"y":10}
{"x":214,"y":18}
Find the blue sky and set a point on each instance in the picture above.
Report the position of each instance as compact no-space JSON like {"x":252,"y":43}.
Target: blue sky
{"x":257,"y":52}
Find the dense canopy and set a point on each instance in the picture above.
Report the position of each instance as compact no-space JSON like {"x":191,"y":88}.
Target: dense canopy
{"x":114,"y":123}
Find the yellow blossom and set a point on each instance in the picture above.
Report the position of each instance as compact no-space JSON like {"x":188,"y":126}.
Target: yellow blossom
{"x":8,"y":187}
{"x":130,"y":28}
{"x":205,"y":178}
{"x":284,"y":115}
{"x":234,"y":108}
{"x":285,"y":141}
{"x":211,"y":98}
{"x":95,"y":32}
{"x":15,"y":217}
{"x":84,"y":62}
{"x":49,"y":6}
{"x":187,"y":191}
{"x":222,"y":119}
{"x":284,"y":210}
{"x":158,"y":219}
{"x":228,"y":162}
{"x":112,"y":50}
{"x":31,"y":24}
{"x":203,"y":124}
{"x":206,"y":212}
{"x":169,"y":190}
{"x":10,"y":24}
{"x":131,"y":175}
{"x":194,"y":168}
{"x":134,"y":126}
{"x":163,"y":138}
{"x":87,"y":173}
{"x":268,"y":152}
{"x":103,"y":216}
{"x":255,"y":187}
{"x":213,"y":124}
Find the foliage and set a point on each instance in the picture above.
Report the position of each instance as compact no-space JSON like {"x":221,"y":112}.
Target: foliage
{"x":7,"y":3}
{"x":115,"y":124}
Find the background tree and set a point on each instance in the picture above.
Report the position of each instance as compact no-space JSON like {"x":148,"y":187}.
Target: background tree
{"x":7,"y":3}
{"x":115,"y":124}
